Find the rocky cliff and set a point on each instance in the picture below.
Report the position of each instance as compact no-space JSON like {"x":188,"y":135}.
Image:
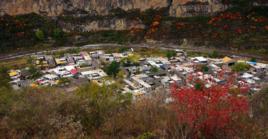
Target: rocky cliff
{"x":117,"y":24}
{"x":57,"y":7}
{"x":102,"y":7}
{"x":185,"y":8}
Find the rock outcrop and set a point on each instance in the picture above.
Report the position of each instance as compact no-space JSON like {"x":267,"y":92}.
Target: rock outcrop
{"x":186,"y":8}
{"x":58,"y":7}
{"x":178,"y":8}
{"x":85,"y":9}
{"x":118,"y":24}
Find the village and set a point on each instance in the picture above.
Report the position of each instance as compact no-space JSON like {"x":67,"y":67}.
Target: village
{"x":139,"y":75}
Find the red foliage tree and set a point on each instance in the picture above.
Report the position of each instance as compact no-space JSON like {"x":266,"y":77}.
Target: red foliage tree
{"x":210,"y":112}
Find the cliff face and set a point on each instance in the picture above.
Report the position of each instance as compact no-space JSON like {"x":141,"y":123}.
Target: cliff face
{"x":118,"y":24}
{"x":57,"y":7}
{"x":178,"y":8}
{"x":185,"y":8}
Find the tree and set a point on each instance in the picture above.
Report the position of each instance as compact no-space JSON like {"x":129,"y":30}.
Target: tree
{"x":147,"y":135}
{"x":253,"y":60}
{"x":154,"y":69}
{"x":39,"y":34}
{"x":205,"y":69}
{"x":35,"y":73}
{"x":121,"y":74}
{"x":240,"y":66}
{"x":50,"y":112}
{"x":30,"y":60}
{"x":210,"y":112}
{"x":118,"y":12}
{"x":123,"y":49}
{"x":4,"y":78}
{"x":238,"y":3}
{"x":57,"y":34}
{"x":131,"y":60}
{"x":100,"y":102}
{"x":113,"y":69}
{"x":148,"y":16}
{"x":170,"y":54}
{"x":214,"y":54}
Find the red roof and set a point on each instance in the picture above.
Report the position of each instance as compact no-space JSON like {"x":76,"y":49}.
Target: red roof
{"x":74,"y":71}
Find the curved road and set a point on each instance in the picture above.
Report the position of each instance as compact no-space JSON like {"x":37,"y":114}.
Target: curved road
{"x":143,"y":45}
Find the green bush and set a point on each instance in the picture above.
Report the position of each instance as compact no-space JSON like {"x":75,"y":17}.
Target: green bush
{"x":113,"y":69}
{"x":214,"y":54}
{"x":170,"y":54}
{"x":35,"y":72}
{"x":253,"y":60}
{"x":147,"y":135}
{"x":100,"y":101}
{"x":154,"y":69}
{"x":4,"y":77}
{"x":57,"y":34}
{"x":50,"y":113}
{"x":240,"y":67}
{"x":39,"y":34}
{"x":205,"y":69}
{"x":198,"y":86}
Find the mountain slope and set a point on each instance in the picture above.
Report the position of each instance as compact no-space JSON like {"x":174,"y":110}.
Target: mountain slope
{"x":103,"y":7}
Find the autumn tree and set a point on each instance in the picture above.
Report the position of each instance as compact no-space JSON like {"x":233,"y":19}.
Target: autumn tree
{"x":210,"y":112}
{"x":131,"y":60}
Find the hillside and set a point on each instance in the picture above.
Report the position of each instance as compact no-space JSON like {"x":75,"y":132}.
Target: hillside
{"x":103,"y":7}
{"x":133,"y":69}
{"x":29,"y":23}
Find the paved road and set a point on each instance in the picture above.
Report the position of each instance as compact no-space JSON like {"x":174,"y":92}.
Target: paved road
{"x":143,"y":45}
{"x":28,"y":53}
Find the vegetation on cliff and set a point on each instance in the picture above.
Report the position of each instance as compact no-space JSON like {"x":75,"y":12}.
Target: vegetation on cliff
{"x":239,"y":27}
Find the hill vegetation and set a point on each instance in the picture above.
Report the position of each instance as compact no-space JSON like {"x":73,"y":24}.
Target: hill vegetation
{"x":92,"y":111}
{"x":47,"y":113}
{"x":243,"y":26}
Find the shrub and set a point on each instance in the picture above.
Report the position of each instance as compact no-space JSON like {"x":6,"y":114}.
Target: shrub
{"x":113,"y":69}
{"x":147,"y":135}
{"x":131,"y":60}
{"x":170,"y":54}
{"x":4,"y":77}
{"x":154,"y":69}
{"x":57,"y":34}
{"x":214,"y":54}
{"x":253,"y":60}
{"x":39,"y":34}
{"x":240,"y":67}
{"x":35,"y":72}
{"x":205,"y":69}
{"x":51,"y":113}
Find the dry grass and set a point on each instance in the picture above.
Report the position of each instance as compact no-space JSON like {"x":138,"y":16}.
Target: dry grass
{"x":14,"y":63}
